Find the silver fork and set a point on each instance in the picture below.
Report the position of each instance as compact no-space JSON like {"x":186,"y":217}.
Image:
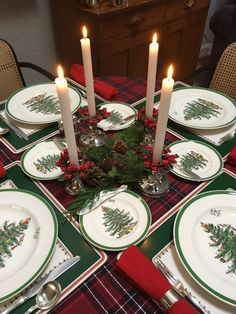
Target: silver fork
{"x":177,"y":284}
{"x":227,"y":137}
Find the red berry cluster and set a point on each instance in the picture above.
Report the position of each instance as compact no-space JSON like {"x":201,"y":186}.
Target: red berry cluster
{"x":71,"y":170}
{"x":166,"y":163}
{"x":101,"y":114}
{"x":150,"y":123}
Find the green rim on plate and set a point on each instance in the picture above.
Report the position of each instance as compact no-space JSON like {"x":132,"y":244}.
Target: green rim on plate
{"x":218,"y":162}
{"x":181,"y":234}
{"x":27,"y":171}
{"x":145,"y":209}
{"x":18,"y":93}
{"x":28,"y":278}
{"x":224,"y":102}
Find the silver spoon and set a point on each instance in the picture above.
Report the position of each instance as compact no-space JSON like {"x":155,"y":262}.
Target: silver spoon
{"x":47,"y":297}
{"x":3,"y":130}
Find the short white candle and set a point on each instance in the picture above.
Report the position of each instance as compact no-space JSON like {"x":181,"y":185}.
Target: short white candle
{"x":166,"y":93}
{"x":63,"y":95}
{"x":88,"y":72}
{"x":151,"y":77}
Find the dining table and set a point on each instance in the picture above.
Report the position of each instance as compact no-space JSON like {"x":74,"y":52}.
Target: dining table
{"x":95,"y":285}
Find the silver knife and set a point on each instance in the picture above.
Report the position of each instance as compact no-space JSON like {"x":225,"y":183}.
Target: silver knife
{"x":177,"y":284}
{"x":188,"y":172}
{"x":15,"y":128}
{"x":55,"y":273}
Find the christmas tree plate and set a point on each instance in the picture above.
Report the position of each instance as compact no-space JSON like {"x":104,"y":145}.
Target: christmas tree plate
{"x":28,"y":232}
{"x":202,"y":108}
{"x":197,"y":161}
{"x":39,"y":161}
{"x":205,"y":240}
{"x":122,"y":116}
{"x":39,"y":104}
{"x":117,"y":223}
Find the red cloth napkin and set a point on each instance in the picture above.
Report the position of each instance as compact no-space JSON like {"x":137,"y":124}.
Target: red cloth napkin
{"x":142,"y":273}
{"x":231,"y":158}
{"x":2,"y":171}
{"x":103,"y":89}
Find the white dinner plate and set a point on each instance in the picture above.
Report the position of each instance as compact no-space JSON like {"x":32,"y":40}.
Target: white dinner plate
{"x":197,"y":245}
{"x":184,"y":100}
{"x":124,"y":110}
{"x":19,"y":110}
{"x":200,"y":158}
{"x":39,"y":161}
{"x":29,"y":229}
{"x":100,"y":226}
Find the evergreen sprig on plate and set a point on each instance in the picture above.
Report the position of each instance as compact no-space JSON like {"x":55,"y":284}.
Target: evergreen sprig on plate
{"x":43,"y":103}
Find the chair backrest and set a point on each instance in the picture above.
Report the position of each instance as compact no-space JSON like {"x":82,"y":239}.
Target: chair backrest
{"x":224,"y":77}
{"x":10,"y":76}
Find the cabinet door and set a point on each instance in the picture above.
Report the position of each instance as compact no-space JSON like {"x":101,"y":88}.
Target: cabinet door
{"x":127,"y":56}
{"x":180,"y":45}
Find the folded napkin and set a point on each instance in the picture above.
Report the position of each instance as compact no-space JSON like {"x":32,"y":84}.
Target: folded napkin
{"x":231,"y":158}
{"x":2,"y":171}
{"x":142,"y":273}
{"x":103,"y":89}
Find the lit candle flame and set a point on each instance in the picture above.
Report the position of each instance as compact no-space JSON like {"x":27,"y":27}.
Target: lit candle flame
{"x":154,"y":38}
{"x":60,"y":72}
{"x":170,"y":72}
{"x":84,"y":32}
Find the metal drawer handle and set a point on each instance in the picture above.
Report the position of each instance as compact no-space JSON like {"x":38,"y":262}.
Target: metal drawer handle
{"x":189,"y":4}
{"x":135,"y":20}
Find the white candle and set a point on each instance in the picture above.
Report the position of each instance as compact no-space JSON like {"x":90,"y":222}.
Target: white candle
{"x":63,"y":95}
{"x":88,"y":72}
{"x":166,"y":93}
{"x":151,"y":77}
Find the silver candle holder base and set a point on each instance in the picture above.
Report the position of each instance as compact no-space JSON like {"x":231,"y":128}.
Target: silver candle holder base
{"x":155,"y":185}
{"x":74,"y":186}
{"x":94,"y":138}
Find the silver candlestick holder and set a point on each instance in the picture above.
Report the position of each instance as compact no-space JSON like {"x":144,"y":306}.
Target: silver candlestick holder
{"x":94,"y":138}
{"x":74,"y":186}
{"x":156,"y":184}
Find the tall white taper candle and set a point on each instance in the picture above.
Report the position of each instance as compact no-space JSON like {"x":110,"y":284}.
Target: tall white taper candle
{"x":88,"y":72}
{"x":166,"y":93}
{"x":63,"y":95}
{"x":151,"y":77}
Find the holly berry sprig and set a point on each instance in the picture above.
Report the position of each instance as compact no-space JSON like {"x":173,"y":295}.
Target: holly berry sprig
{"x":83,"y":115}
{"x":149,"y":123}
{"x":166,"y":163}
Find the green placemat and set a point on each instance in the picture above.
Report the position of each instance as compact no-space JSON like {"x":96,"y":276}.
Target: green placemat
{"x":162,"y":233}
{"x":223,"y":149}
{"x":91,"y":259}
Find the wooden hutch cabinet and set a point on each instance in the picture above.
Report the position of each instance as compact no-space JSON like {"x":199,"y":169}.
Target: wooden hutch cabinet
{"x":120,"y":36}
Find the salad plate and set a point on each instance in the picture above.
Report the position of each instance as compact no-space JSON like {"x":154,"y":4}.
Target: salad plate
{"x":39,"y":104}
{"x":118,"y":223}
{"x":28,"y":229}
{"x":122,"y":116}
{"x":196,"y":159}
{"x":39,"y":161}
{"x":204,"y":235}
{"x":202,"y":108}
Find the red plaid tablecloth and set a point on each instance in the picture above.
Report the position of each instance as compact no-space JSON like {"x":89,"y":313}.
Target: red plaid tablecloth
{"x":105,"y":291}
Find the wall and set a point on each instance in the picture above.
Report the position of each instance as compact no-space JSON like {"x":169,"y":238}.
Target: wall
{"x":26,"y":25}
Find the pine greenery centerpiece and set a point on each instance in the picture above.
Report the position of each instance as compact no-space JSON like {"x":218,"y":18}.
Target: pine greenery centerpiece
{"x":47,"y":163}
{"x":223,"y":236}
{"x":117,"y":222}
{"x":201,"y":109}
{"x":193,"y":161}
{"x":11,"y":236}
{"x":43,"y":103}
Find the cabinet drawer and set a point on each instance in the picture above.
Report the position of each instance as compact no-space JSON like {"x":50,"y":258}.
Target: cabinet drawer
{"x":177,"y":9}
{"x":133,"y":22}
